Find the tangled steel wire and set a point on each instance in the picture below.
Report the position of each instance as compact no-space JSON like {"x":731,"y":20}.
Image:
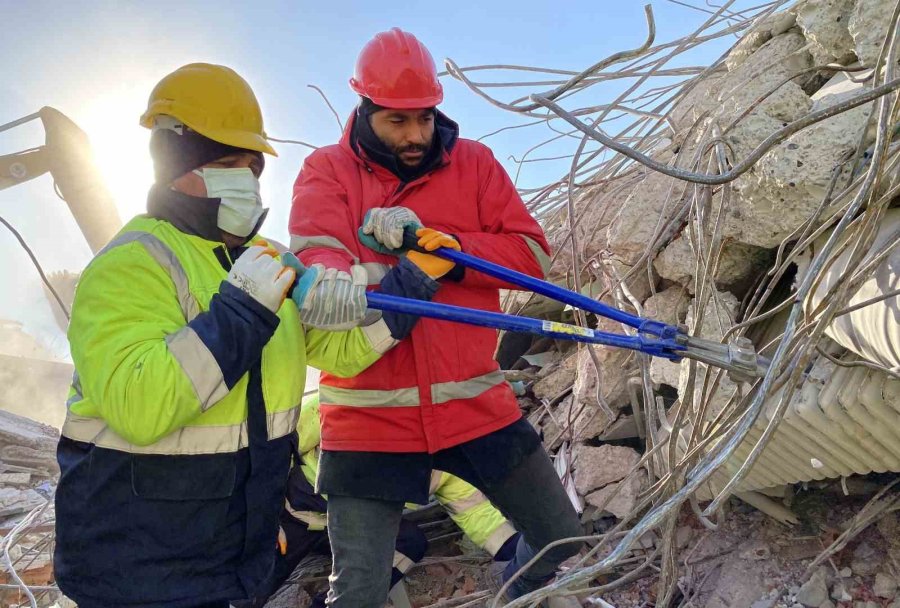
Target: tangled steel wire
{"x":685,"y":448}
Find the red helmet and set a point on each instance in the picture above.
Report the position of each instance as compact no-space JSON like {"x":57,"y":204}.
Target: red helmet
{"x":395,"y":70}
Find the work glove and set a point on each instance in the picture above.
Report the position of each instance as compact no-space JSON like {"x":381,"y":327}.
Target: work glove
{"x":386,"y":225}
{"x":429,"y":239}
{"x":328,"y":298}
{"x":282,"y":543}
{"x":258,"y":274}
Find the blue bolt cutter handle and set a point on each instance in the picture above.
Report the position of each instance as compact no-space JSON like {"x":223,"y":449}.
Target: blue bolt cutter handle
{"x":472,"y":316}
{"x":545,"y":288}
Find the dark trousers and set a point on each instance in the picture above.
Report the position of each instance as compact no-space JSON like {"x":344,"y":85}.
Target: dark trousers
{"x":409,"y":540}
{"x":362,"y":530}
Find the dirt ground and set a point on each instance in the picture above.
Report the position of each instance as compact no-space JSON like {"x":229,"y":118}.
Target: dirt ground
{"x":749,"y":561}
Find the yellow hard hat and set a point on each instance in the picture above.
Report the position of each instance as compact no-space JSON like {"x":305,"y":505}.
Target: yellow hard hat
{"x":213,"y":101}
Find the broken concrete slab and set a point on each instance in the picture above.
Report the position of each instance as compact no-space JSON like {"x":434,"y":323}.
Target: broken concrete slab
{"x":814,"y":591}
{"x":618,"y":499}
{"x":581,"y":422}
{"x":651,"y":204}
{"x":15,"y":479}
{"x":678,"y":262}
{"x":768,"y":67}
{"x":27,"y":446}
{"x":596,"y":467}
{"x":868,"y":25}
{"x":669,"y":306}
{"x":885,"y":585}
{"x":718,"y":316}
{"x":750,"y":131}
{"x":664,"y":371}
{"x":614,"y":372}
{"x":559,"y":379}
{"x":825,"y":24}
{"x":16,"y":502}
{"x":789,"y":182}
{"x":768,"y":27}
{"x":788,"y":103}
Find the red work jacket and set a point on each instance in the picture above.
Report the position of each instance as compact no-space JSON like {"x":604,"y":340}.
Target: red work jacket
{"x":440,"y":386}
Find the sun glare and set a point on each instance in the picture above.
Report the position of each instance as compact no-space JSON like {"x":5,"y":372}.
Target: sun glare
{"x":120,"y":146}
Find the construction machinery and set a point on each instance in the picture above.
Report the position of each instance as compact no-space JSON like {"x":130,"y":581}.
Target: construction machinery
{"x":66,"y":155}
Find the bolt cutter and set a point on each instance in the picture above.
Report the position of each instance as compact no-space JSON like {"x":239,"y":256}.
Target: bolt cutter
{"x":738,"y":357}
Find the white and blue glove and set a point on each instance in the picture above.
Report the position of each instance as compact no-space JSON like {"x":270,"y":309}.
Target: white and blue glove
{"x":386,"y":225}
{"x":328,"y":298}
{"x":258,"y":274}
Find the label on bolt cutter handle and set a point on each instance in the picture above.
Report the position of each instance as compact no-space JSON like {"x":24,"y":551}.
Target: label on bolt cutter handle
{"x":565,"y":328}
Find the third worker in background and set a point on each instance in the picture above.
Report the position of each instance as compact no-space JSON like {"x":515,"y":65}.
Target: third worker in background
{"x":438,"y":399}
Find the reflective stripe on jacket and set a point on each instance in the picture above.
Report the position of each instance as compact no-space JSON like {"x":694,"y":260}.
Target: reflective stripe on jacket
{"x":180,"y":423}
{"x":441,"y":386}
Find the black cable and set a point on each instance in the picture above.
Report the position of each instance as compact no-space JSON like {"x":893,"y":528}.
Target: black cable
{"x":36,"y":265}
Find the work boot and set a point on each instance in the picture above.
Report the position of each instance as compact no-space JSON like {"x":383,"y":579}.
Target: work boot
{"x":496,"y":579}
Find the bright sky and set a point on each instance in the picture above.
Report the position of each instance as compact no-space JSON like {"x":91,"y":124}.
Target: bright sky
{"x":97,"y":62}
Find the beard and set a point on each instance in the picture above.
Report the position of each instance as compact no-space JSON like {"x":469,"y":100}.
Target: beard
{"x":411,"y":148}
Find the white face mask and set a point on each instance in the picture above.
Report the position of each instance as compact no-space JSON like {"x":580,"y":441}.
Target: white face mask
{"x":241,"y":205}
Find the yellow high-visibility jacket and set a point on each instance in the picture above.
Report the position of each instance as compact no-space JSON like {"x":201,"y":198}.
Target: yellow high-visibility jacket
{"x":181,"y":422}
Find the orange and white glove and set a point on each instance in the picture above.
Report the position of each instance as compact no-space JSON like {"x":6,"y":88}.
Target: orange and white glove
{"x":282,"y":541}
{"x":258,"y":274}
{"x":429,"y":239}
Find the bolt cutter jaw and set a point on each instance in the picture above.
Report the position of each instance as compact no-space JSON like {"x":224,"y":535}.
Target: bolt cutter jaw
{"x":738,"y":357}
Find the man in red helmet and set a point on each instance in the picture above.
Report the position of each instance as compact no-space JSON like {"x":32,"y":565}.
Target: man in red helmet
{"x":438,"y":399}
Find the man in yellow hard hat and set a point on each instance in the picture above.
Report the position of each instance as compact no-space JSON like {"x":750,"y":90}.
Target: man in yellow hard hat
{"x":182,"y":415}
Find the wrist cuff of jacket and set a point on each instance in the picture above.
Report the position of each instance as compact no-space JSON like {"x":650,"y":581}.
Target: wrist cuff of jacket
{"x":406,"y":280}
{"x":249,"y":309}
{"x":235,"y":329}
{"x":379,"y":334}
{"x":457,"y":273}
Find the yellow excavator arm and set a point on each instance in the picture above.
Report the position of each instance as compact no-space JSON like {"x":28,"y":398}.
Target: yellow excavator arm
{"x":67,"y":156}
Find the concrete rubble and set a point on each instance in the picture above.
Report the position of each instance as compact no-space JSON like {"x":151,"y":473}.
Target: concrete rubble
{"x":28,"y":474}
{"x":648,"y":225}
{"x":600,"y":466}
{"x":561,"y":378}
{"x":619,"y":499}
{"x":671,"y":306}
{"x":774,"y":75}
{"x":613,"y":368}
{"x":814,"y":592}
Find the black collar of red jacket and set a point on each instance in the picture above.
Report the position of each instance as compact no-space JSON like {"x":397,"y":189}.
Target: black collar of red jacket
{"x":369,"y":148}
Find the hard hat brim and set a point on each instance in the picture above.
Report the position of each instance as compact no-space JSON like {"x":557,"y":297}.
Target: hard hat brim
{"x":239,"y":139}
{"x":231,"y":137}
{"x":412,"y":103}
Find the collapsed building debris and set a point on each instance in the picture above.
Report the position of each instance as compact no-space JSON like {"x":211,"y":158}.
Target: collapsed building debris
{"x":28,"y":474}
{"x":753,"y":198}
